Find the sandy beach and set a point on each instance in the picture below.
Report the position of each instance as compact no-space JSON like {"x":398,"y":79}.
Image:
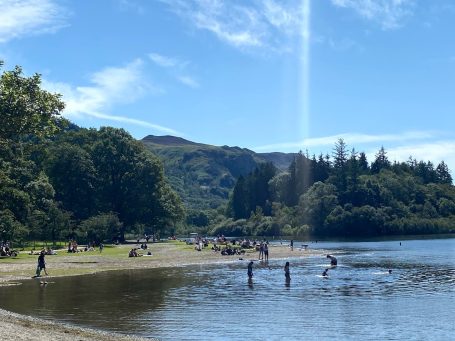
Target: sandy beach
{"x":168,"y":254}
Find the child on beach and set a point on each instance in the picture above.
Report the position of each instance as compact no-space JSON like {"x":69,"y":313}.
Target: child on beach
{"x":41,"y":264}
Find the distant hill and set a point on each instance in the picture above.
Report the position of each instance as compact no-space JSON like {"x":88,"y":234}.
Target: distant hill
{"x":204,"y":174}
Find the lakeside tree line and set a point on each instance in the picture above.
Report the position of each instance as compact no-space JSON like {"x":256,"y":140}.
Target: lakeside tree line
{"x":58,"y":181}
{"x":343,"y":195}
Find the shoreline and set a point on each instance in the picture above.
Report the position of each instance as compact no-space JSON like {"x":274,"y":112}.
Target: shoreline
{"x":165,"y":255}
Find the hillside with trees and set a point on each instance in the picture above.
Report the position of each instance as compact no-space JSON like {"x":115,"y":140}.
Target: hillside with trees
{"x":204,"y":175}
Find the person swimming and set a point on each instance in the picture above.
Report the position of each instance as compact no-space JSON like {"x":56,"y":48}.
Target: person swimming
{"x":333,"y":260}
{"x":390,"y":271}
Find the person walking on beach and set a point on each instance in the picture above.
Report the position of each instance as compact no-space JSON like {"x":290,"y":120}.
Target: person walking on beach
{"x":41,"y":264}
{"x":250,"y":270}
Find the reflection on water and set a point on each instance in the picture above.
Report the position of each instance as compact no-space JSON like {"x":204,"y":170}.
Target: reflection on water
{"x":359,"y":299}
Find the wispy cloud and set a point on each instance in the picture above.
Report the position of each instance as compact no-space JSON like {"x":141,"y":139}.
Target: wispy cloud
{"x":165,"y":61}
{"x":130,"y":5}
{"x":110,"y":86}
{"x":29,"y":17}
{"x":176,"y":67}
{"x":390,"y":14}
{"x":435,"y":151}
{"x":349,"y":138}
{"x":421,"y":145}
{"x":258,"y":24}
{"x":188,"y":81}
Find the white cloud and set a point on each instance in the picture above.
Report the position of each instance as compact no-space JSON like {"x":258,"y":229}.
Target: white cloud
{"x":188,"y":81}
{"x":390,"y":14}
{"x":258,"y":24}
{"x":28,"y":17}
{"x":110,"y":86}
{"x":165,"y":61}
{"x":130,"y":5}
{"x":349,"y":138}
{"x":176,"y":66}
{"x":435,"y":151}
{"x":421,"y":145}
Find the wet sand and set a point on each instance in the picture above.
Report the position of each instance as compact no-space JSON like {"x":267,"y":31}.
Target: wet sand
{"x":18,"y":327}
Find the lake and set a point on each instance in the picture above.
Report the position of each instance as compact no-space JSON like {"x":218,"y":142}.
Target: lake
{"x":358,"y":300}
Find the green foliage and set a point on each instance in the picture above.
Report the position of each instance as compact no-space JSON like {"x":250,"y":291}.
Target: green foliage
{"x":51,"y":189}
{"x":251,"y":192}
{"x":352,"y":199}
{"x":100,"y":228}
{"x":25,"y":108}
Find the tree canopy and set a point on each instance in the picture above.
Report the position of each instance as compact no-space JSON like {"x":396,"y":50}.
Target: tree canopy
{"x":84,"y":183}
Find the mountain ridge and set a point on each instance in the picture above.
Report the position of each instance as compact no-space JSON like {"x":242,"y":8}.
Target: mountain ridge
{"x":204,"y":174}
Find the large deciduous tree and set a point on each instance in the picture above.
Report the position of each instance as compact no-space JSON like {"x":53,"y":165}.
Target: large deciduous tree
{"x":25,"y":108}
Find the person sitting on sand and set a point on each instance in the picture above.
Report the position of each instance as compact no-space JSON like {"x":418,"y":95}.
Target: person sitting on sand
{"x":133,"y":253}
{"x":333,"y":260}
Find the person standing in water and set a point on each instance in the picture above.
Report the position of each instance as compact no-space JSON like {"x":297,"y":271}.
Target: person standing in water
{"x":250,"y":270}
{"x":292,"y":245}
{"x":287,"y":273}
{"x":261,"y":250}
{"x":266,"y":251}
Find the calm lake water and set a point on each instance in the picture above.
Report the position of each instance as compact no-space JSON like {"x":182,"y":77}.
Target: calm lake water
{"x":359,"y":301}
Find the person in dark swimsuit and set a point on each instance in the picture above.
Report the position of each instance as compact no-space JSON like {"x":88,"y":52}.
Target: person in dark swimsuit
{"x":333,"y":260}
{"x":250,"y":270}
{"x":287,"y":273}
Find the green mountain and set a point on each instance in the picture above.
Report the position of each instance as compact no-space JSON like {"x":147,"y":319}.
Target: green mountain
{"x":203,"y":174}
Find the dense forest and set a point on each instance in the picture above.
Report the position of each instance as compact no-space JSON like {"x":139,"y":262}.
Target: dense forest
{"x":343,"y":196}
{"x":59,"y":181}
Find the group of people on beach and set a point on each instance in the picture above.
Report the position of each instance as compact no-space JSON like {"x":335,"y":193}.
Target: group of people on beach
{"x":6,"y":250}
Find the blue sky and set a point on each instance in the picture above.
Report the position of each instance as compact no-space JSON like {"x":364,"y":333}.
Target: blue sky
{"x":267,"y":75}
